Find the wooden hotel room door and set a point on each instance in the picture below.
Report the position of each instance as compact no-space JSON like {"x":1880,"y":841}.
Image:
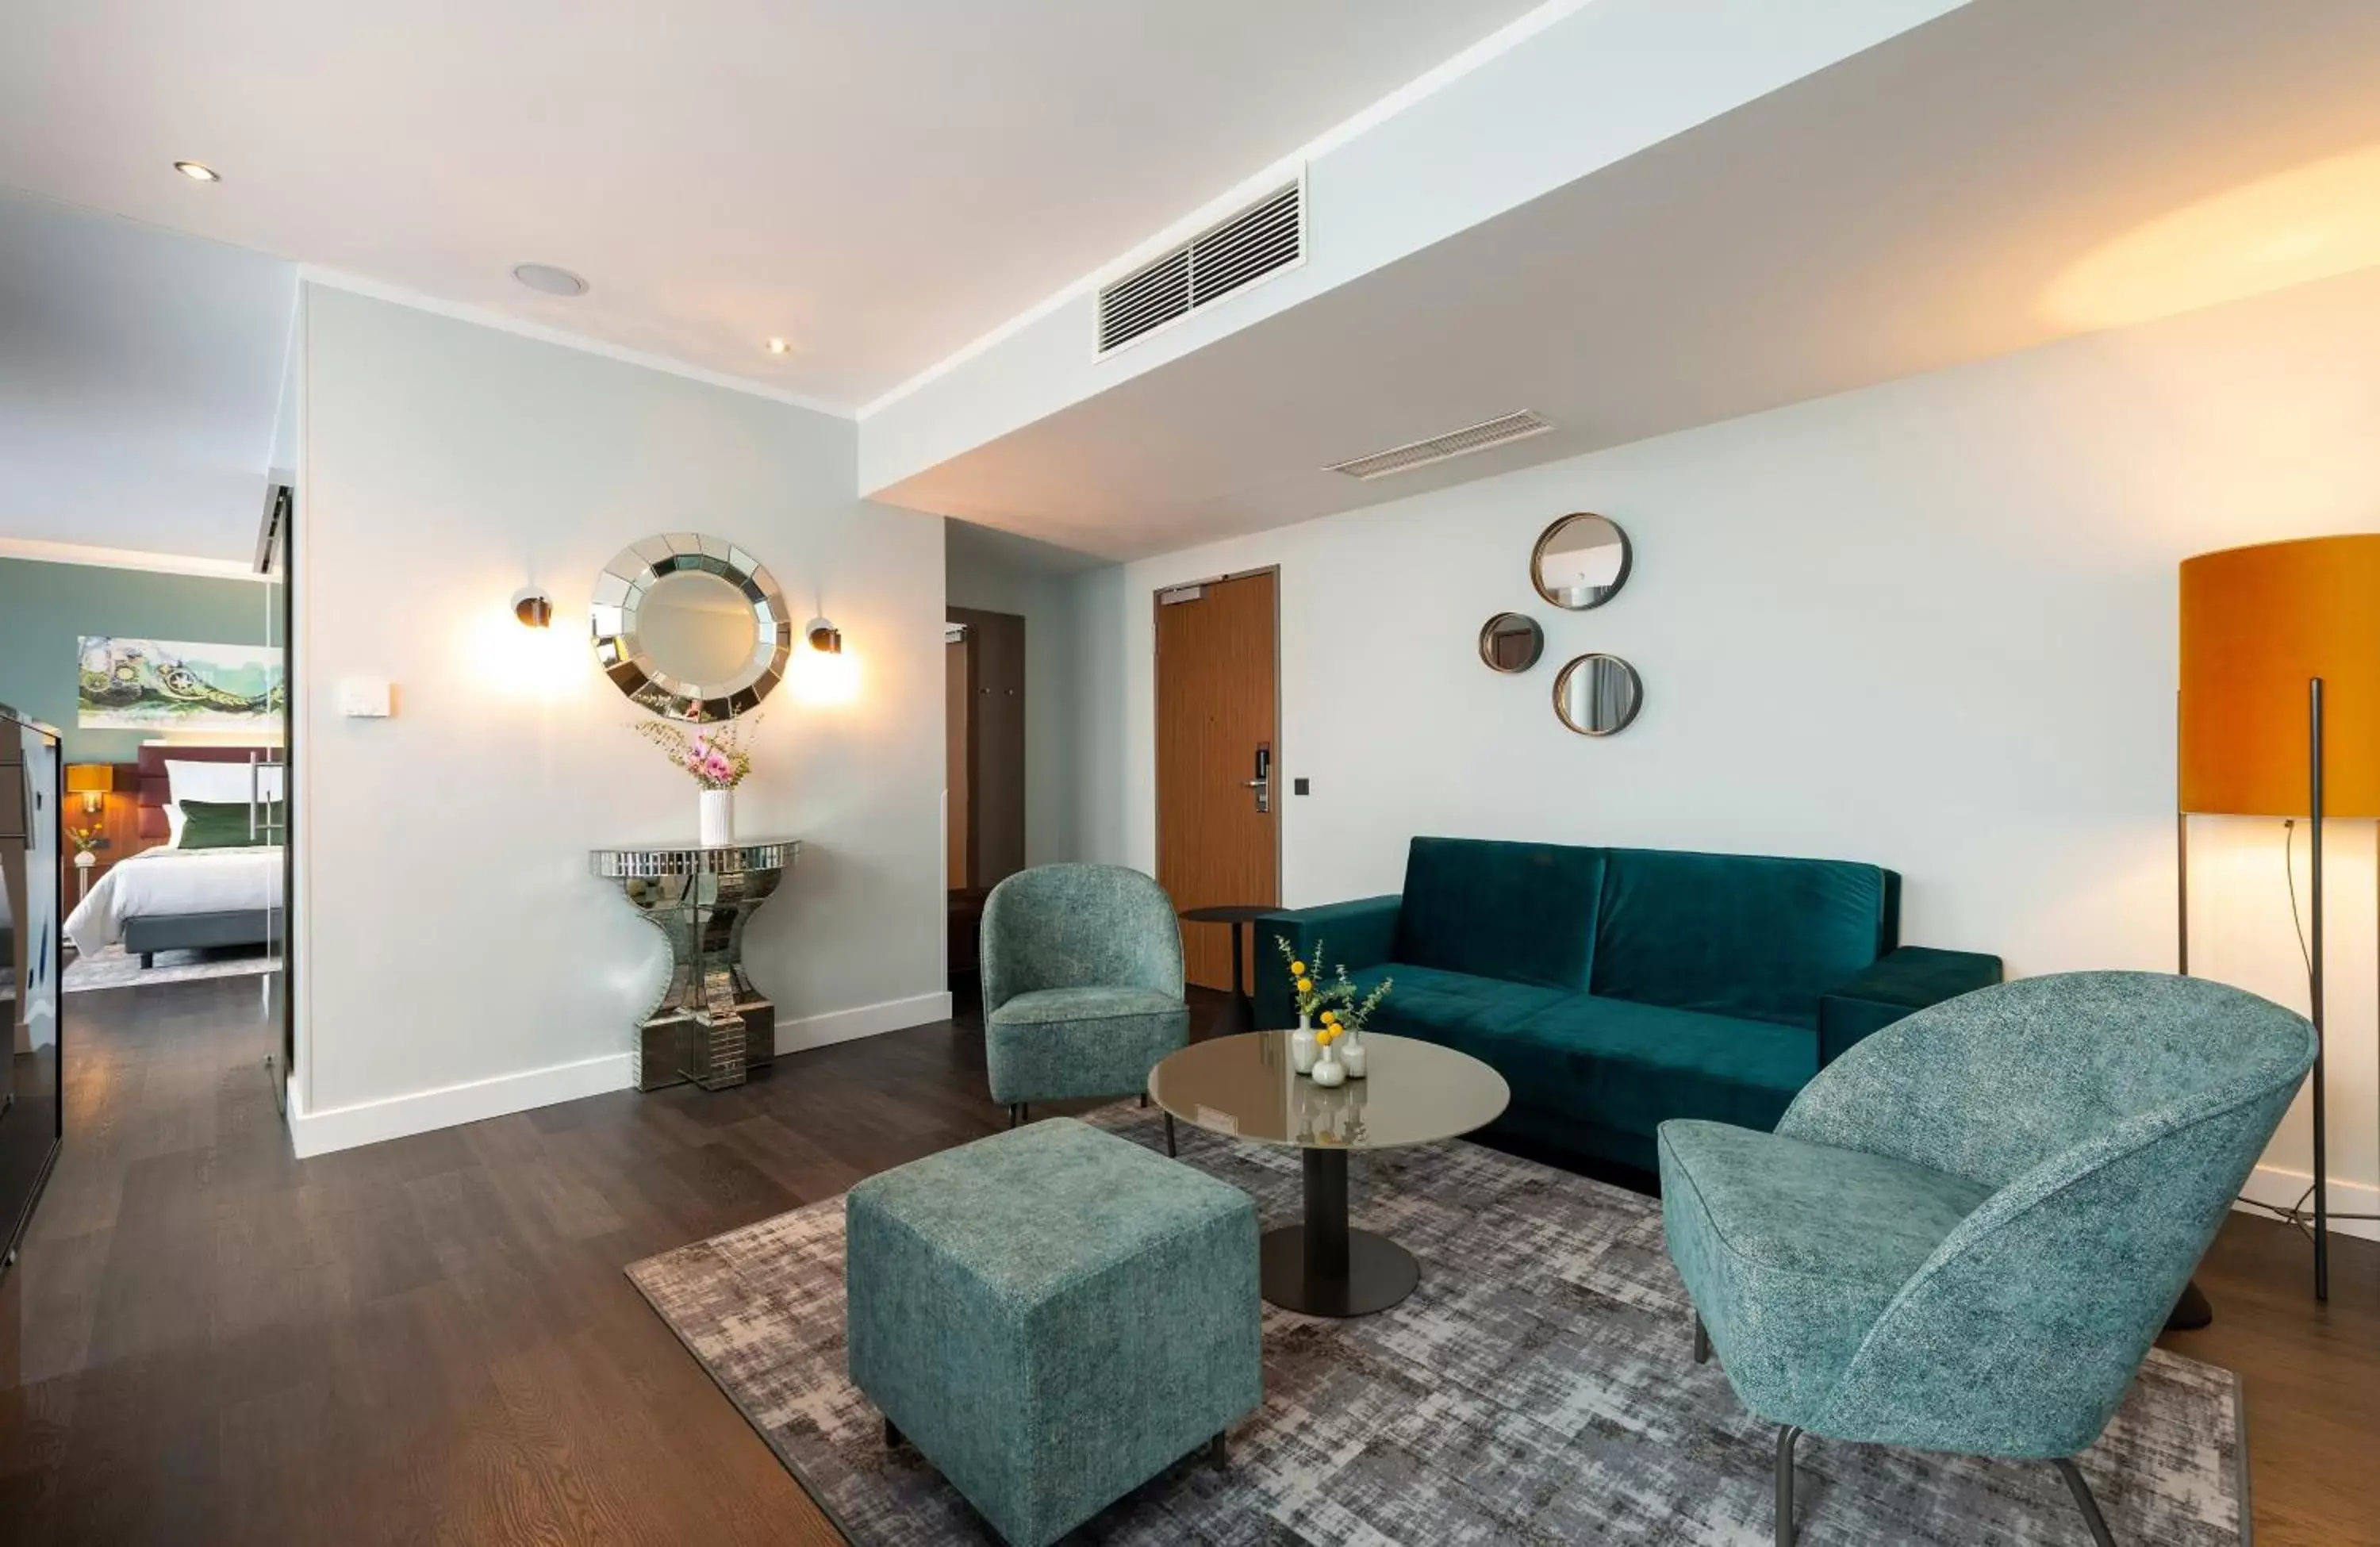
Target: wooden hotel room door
{"x":1218,"y":731}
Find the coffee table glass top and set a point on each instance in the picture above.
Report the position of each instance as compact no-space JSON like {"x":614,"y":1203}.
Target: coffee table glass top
{"x":1416,"y":1092}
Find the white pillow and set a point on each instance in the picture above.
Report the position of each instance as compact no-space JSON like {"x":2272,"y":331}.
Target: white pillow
{"x":174,"y":819}
{"x":224,"y":782}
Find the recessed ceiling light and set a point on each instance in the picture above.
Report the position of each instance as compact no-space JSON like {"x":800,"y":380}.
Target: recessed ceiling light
{"x":198,"y":172}
{"x":778,"y":346}
{"x":546,"y":279}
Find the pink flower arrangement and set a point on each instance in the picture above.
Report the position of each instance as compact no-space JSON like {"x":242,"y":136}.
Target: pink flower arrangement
{"x":712,"y":755}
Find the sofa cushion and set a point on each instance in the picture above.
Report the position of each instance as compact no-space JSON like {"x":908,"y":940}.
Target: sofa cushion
{"x":1452,"y":1008}
{"x":1735,"y":934}
{"x":1043,"y":1006}
{"x":1629,"y":1065}
{"x":1522,"y":912}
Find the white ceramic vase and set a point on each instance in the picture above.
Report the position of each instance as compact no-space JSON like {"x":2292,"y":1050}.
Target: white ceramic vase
{"x":718,"y":818}
{"x":1350,"y":1047}
{"x":1303,"y":1049}
{"x":1328,"y":1069}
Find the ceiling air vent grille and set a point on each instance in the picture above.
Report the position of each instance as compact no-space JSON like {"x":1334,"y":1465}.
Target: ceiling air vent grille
{"x":1267,"y":237}
{"x":1437,"y":448}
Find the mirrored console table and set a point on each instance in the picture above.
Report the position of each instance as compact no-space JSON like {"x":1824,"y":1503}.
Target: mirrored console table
{"x":709,"y":1025}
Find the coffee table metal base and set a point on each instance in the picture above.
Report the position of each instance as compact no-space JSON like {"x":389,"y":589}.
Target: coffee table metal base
{"x":1323,"y":1267}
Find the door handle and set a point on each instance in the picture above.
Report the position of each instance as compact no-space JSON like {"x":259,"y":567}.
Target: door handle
{"x":1262,"y":783}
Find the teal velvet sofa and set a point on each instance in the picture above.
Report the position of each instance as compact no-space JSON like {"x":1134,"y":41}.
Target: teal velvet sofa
{"x":1617,"y":988}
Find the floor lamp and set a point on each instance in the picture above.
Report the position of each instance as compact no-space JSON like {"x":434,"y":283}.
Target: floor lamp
{"x":2280,"y":716}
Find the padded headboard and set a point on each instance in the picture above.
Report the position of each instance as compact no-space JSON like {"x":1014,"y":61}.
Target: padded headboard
{"x":157,"y":791}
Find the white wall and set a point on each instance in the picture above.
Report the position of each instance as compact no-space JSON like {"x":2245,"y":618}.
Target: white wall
{"x":1929,"y":625}
{"x":453,"y":936}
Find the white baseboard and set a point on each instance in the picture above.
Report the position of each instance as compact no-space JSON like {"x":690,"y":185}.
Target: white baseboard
{"x":345,"y":1127}
{"x":319,"y":1133}
{"x":866,"y":1020}
{"x":2270,"y":1184}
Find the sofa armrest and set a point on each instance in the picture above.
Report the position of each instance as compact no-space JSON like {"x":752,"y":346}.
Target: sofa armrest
{"x":1896,"y":985}
{"x":1360,"y":933}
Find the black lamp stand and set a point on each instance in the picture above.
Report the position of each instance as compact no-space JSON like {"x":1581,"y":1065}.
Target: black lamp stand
{"x":2313,"y":989}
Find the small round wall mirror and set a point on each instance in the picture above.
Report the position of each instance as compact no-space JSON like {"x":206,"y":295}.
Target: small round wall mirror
{"x":1581,"y":561}
{"x":691,"y":627}
{"x":1598,"y":695}
{"x":1511,"y":642}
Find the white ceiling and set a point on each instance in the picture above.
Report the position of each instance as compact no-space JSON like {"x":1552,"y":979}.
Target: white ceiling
{"x":141,"y":374}
{"x":1960,"y":191}
{"x":878,"y":184}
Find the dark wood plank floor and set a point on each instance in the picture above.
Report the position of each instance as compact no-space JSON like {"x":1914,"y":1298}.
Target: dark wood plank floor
{"x":430,"y":1340}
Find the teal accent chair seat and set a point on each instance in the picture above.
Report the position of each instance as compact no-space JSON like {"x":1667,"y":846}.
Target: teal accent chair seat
{"x":1964,"y":1234}
{"x":1082,"y":985}
{"x":1052,"y":1316}
{"x":1614,"y":988}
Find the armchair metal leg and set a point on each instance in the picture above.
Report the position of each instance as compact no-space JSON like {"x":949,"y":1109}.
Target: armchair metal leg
{"x":1785,"y":1438}
{"x":1702,"y":1342}
{"x":1169,"y":1137}
{"x":1015,"y":1113}
{"x":2089,"y":1505}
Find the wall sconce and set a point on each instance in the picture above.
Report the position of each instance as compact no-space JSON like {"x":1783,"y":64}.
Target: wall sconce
{"x":92,"y":781}
{"x":533,"y":607}
{"x":822,"y":672}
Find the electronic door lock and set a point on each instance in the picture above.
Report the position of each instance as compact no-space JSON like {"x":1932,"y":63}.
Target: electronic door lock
{"x":1262,"y":783}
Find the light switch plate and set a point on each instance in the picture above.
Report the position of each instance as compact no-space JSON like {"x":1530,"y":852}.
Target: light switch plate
{"x":364,"y":698}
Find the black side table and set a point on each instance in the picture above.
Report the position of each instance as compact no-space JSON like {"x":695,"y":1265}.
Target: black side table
{"x":1236,"y":915}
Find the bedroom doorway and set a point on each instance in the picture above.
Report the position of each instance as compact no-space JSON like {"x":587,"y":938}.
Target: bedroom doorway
{"x":984,"y":782}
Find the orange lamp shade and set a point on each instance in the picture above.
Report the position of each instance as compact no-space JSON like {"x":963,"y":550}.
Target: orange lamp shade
{"x":2257,"y":624}
{"x":89,"y":778}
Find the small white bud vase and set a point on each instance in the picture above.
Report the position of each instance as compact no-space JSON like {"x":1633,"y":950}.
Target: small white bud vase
{"x":1303,"y":1049}
{"x":718,"y":818}
{"x":1350,"y":1047}
{"x":1328,"y":1070}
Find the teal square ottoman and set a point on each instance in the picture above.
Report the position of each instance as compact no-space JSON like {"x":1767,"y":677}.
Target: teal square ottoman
{"x":1052,"y":1316}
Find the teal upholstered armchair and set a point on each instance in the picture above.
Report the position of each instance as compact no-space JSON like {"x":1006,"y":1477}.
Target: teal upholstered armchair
{"x":1966,"y":1232}
{"x":1082,"y":985}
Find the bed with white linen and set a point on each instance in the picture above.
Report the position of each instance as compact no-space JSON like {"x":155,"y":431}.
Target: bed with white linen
{"x":170,"y":897}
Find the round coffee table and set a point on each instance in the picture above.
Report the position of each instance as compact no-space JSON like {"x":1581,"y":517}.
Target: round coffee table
{"x":1417,"y":1093}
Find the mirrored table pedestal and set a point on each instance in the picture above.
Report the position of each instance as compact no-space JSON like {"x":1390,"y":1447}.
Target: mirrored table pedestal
{"x":709,"y":1026}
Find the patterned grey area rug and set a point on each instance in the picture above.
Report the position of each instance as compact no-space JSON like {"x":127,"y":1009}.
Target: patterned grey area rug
{"x":1537,"y":1388}
{"x":114,"y":969}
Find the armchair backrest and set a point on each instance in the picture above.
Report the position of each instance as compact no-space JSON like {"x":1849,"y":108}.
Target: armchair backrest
{"x":2118,"y":1113}
{"x":1078,"y":926}
{"x":1992,"y":1084}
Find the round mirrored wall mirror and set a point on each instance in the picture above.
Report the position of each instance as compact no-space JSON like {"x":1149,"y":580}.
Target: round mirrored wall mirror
{"x":1598,"y":695}
{"x":691,"y":627}
{"x":1511,"y":642}
{"x":1581,"y":561}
